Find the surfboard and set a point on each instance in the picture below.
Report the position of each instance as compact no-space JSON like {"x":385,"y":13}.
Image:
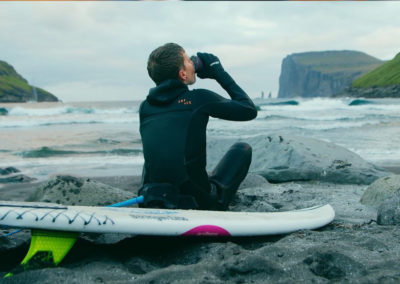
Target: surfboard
{"x":161,"y":222}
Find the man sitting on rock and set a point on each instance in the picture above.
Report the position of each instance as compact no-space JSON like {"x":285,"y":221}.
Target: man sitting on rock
{"x":173,"y":121}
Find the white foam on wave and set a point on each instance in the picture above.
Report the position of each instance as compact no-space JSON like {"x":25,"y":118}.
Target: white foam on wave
{"x":335,"y":104}
{"x":66,"y":161}
{"x":323,"y":103}
{"x":63,"y":110}
{"x":331,"y":110}
{"x":379,"y":156}
{"x":310,"y":104}
{"x":387,"y":108}
{"x":19,"y":122}
{"x":333,"y":125}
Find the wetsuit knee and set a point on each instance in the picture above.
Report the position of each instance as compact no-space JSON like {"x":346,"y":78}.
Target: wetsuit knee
{"x":243,"y":146}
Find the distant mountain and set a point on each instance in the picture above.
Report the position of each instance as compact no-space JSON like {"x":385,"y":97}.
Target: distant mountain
{"x":14,"y":88}
{"x":322,"y":74}
{"x":382,"y":82}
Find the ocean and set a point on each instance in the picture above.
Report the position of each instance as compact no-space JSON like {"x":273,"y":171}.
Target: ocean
{"x":102,"y":138}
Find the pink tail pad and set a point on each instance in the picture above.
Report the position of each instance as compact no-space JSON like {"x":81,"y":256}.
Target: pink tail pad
{"x":207,"y":230}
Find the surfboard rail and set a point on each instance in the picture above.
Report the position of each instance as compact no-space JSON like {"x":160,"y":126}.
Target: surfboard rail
{"x":143,"y":221}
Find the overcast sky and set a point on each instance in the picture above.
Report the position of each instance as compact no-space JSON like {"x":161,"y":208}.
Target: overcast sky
{"x":98,"y":50}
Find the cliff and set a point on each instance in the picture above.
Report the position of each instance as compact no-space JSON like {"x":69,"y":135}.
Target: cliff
{"x":15,"y":89}
{"x":322,"y":74}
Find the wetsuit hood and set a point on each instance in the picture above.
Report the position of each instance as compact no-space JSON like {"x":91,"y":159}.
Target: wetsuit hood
{"x":166,"y":92}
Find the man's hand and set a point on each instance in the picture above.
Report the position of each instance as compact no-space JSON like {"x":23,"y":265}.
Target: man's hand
{"x":211,"y":66}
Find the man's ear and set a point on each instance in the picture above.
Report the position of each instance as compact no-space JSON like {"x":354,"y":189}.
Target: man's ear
{"x":182,"y":75}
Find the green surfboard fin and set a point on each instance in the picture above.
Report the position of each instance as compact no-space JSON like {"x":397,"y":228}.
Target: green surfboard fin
{"x":47,"y":249}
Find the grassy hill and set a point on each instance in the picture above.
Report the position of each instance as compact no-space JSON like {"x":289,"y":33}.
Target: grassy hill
{"x":386,"y":75}
{"x":14,"y":88}
{"x":346,"y":61}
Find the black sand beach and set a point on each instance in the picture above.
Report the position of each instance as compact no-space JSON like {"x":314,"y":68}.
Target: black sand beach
{"x":353,"y":248}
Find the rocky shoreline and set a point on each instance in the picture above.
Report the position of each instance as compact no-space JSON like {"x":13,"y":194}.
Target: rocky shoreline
{"x":359,"y":246}
{"x":371,"y":92}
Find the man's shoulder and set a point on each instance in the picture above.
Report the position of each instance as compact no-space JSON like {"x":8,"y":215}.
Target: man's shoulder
{"x":142,"y":105}
{"x":201,"y":91}
{"x":205,"y":95}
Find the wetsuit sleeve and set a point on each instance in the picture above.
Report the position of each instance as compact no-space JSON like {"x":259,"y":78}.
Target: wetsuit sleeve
{"x":207,"y":103}
{"x":239,"y":108}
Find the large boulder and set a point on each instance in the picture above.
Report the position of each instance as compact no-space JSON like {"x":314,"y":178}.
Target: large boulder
{"x":69,"y":190}
{"x":381,"y":190}
{"x":389,"y":212}
{"x":281,"y":158}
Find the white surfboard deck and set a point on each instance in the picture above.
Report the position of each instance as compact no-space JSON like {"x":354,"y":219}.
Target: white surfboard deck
{"x":162,"y":222}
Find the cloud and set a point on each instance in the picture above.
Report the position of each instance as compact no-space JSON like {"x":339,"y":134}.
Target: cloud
{"x":385,"y":39}
{"x":90,"y":50}
{"x":97,"y":91}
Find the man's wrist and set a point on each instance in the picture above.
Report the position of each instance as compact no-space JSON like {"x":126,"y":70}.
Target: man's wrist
{"x":224,"y":79}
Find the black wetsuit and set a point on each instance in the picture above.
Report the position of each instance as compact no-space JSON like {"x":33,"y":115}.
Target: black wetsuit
{"x":173,"y":123}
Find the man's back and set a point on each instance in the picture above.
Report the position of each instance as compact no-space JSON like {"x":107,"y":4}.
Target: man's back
{"x":173,"y":122}
{"x":163,"y":127}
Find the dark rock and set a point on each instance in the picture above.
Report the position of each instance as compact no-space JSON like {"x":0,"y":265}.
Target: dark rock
{"x":247,"y":268}
{"x":12,"y":247}
{"x":389,"y":212}
{"x":13,"y":241}
{"x":17,"y":179}
{"x":8,"y":170}
{"x":281,"y":158}
{"x":103,"y":239}
{"x":371,"y":92}
{"x":138,"y":265}
{"x":373,"y":244}
{"x":334,"y":266}
{"x":381,"y":190}
{"x":71,"y":190}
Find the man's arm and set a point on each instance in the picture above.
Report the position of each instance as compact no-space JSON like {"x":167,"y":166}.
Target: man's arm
{"x":240,"y":108}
